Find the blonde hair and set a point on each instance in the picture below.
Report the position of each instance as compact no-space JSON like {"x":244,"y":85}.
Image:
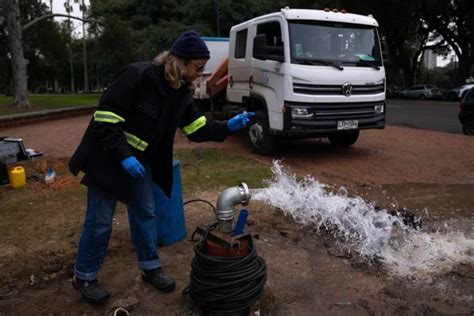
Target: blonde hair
{"x":175,"y":68}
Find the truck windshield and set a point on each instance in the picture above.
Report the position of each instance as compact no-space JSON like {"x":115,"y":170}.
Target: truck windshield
{"x":334,"y":43}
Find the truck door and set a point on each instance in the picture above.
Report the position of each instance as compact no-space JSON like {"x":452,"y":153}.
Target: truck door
{"x":239,"y":65}
{"x":267,"y":76}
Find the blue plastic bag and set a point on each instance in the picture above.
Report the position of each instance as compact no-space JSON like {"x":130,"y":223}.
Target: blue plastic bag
{"x":170,"y":211}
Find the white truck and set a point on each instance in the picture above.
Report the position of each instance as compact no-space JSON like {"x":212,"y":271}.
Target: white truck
{"x":305,"y":73}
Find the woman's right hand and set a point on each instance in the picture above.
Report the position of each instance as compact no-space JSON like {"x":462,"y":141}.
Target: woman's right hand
{"x":133,"y":167}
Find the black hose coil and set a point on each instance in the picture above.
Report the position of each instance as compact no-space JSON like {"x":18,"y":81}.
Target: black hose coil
{"x":226,"y":284}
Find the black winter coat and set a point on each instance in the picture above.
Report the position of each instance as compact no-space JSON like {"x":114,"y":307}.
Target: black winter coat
{"x":138,"y":116}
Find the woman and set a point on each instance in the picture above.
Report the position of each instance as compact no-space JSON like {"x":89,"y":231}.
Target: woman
{"x":128,"y":145}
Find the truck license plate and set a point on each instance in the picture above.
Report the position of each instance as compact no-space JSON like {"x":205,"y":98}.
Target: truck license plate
{"x":352,"y":124}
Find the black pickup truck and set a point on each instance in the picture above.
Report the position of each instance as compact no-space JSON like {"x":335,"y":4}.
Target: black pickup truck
{"x":466,"y":114}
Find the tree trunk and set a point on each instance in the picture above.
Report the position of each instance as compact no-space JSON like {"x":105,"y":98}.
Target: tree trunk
{"x":98,"y":85}
{"x":19,"y":63}
{"x":56,"y":84}
{"x":71,"y":67}
{"x":84,"y":49}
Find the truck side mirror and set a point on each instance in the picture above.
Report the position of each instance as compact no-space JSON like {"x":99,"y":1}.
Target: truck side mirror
{"x":260,"y":47}
{"x":385,"y":52}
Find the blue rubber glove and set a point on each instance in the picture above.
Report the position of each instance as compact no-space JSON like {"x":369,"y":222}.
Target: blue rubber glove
{"x":239,"y":121}
{"x":133,"y":167}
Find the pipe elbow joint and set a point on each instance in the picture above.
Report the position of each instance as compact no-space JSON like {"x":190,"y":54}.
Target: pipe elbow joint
{"x":226,"y":202}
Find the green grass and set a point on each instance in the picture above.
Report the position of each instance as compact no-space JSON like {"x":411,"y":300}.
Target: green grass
{"x":37,"y":215}
{"x":204,"y":169}
{"x":40,"y":225}
{"x":40,"y":102}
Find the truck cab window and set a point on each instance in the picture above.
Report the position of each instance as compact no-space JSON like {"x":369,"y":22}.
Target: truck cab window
{"x":272,"y":31}
{"x":240,"y":44}
{"x":342,"y":43}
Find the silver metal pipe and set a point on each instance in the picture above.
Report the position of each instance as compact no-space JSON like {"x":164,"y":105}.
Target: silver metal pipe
{"x":226,"y":202}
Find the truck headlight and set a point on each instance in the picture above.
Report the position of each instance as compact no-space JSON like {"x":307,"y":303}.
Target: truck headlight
{"x":301,"y":113}
{"x":378,"y":109}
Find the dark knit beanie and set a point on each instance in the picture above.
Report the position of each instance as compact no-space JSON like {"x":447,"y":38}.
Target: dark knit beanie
{"x":190,"y":46}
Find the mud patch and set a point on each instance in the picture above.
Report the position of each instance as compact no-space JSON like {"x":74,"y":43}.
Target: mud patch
{"x":442,"y":207}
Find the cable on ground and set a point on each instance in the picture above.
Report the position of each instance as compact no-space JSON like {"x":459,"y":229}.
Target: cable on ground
{"x":226,"y":284}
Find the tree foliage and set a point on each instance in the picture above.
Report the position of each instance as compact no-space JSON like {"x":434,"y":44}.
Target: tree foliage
{"x":452,"y":24}
{"x":134,"y":30}
{"x":44,"y":46}
{"x":5,"y":69}
{"x":137,"y":30}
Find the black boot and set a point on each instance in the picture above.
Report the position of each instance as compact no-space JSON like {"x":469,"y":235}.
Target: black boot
{"x":92,"y":291}
{"x":159,"y":280}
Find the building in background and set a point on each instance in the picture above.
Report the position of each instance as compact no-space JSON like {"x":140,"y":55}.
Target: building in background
{"x":429,"y":59}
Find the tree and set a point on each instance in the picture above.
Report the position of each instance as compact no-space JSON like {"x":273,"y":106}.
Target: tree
{"x":113,"y":47}
{"x":69,"y":9}
{"x":14,"y":31}
{"x":154,"y":25}
{"x":44,"y":47}
{"x":402,"y":30}
{"x":4,"y":60}
{"x":83,"y":9}
{"x":452,"y":22}
{"x":18,"y":61}
{"x":211,"y":20}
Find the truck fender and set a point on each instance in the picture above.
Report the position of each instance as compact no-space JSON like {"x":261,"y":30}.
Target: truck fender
{"x":255,"y":103}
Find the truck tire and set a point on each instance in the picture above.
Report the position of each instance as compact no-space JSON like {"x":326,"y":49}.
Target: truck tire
{"x":344,"y":139}
{"x":258,"y":135}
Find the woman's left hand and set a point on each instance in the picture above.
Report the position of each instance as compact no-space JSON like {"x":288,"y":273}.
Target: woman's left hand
{"x":239,"y":121}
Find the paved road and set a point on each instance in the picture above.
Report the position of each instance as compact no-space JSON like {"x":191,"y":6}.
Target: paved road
{"x":432,"y":115}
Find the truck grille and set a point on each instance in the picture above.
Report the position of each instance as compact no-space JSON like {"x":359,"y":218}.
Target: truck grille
{"x":340,"y":111}
{"x":315,"y":89}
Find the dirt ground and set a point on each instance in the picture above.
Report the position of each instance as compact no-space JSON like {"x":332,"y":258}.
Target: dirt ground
{"x":429,"y":173}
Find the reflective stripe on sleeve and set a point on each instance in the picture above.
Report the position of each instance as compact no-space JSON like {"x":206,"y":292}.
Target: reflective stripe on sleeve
{"x":107,"y":117}
{"x":135,"y":142}
{"x":194,"y":126}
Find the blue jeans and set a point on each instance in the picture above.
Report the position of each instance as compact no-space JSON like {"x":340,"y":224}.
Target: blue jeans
{"x":98,"y":228}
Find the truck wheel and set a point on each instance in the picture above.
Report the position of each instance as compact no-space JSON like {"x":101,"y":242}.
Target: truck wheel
{"x":258,"y":135}
{"x":344,"y":139}
{"x":468,"y":127}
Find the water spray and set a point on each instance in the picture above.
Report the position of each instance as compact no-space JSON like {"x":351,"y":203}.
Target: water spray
{"x":394,"y":238}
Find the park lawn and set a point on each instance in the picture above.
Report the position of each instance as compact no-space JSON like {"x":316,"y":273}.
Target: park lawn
{"x":204,"y":169}
{"x":44,"y":220}
{"x":41,"y":102}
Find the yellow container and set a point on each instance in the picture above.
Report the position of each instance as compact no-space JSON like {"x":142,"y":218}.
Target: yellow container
{"x":17,"y":177}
